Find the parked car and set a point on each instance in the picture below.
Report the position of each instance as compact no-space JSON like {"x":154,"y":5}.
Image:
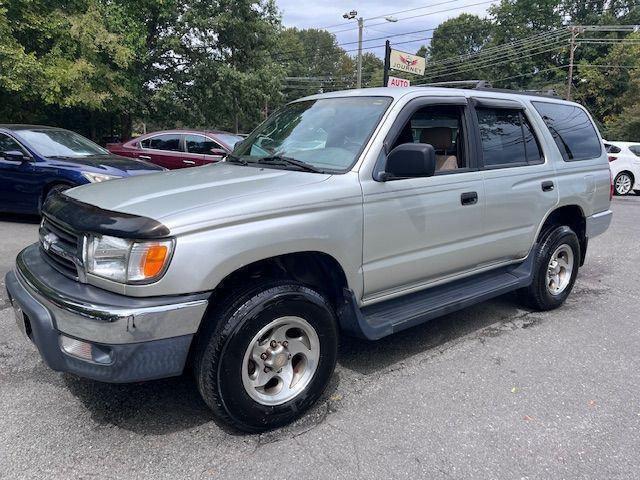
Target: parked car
{"x":178,"y":148}
{"x":38,"y":161}
{"x":392,"y":207}
{"x":624,"y":161}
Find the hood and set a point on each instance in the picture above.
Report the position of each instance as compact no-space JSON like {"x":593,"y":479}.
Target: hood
{"x":110,"y":164}
{"x":180,"y":197}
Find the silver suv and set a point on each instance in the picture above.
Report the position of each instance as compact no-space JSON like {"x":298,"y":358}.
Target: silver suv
{"x":362,"y":212}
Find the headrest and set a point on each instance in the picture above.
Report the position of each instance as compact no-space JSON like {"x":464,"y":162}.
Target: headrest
{"x":438,"y":137}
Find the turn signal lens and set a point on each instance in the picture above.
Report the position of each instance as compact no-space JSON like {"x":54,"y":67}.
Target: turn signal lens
{"x":153,"y":262}
{"x":149,"y":259}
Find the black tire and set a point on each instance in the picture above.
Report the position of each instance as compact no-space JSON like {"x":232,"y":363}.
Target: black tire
{"x":537,"y":295}
{"x":617,"y":189}
{"x":229,"y":328}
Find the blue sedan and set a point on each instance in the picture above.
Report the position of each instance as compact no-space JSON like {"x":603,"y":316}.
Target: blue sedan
{"x":37,"y":161}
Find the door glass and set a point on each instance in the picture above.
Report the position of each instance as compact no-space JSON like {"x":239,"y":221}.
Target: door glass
{"x":200,"y":144}
{"x":441,"y":127}
{"x":635,"y":149}
{"x":501,"y":135}
{"x":169,"y":141}
{"x":8,"y":144}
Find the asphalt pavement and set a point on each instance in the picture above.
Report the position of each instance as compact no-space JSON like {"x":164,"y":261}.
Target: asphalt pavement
{"x":493,"y":391}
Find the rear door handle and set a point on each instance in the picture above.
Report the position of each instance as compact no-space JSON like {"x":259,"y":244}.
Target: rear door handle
{"x":189,"y":162}
{"x":547,"y":186}
{"x":469,"y":198}
{"x":144,"y":157}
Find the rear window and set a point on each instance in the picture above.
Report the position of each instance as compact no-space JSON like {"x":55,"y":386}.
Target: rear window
{"x":572,"y":130}
{"x":612,"y":148}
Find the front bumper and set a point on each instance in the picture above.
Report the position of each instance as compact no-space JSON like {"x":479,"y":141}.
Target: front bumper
{"x":131,"y":339}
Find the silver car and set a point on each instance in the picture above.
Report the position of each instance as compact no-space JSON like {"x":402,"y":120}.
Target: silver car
{"x":361,"y":212}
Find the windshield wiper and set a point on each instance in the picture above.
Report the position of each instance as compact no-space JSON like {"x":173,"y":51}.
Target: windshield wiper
{"x":282,"y":160}
{"x":230,"y":157}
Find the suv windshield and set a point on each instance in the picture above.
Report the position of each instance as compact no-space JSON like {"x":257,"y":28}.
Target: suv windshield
{"x":60,"y":143}
{"x":327,"y":134}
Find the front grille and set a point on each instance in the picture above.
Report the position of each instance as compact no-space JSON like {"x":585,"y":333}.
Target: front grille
{"x":61,"y":247}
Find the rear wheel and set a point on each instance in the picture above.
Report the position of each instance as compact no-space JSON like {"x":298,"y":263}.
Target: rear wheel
{"x":555,"y":269}
{"x":266,"y":356}
{"x":623,"y":183}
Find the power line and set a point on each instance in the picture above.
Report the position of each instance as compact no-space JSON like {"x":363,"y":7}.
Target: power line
{"x":422,"y":15}
{"x":393,"y":13}
{"x":482,"y":60}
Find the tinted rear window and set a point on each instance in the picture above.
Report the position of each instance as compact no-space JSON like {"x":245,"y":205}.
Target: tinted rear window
{"x":507,"y":138}
{"x":572,"y":130}
{"x":611,"y":148}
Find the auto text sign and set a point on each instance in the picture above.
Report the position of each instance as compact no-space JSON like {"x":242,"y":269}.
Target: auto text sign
{"x":406,"y":62}
{"x":398,"y":82}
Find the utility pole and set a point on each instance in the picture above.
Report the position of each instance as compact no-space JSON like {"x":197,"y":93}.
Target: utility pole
{"x":387,"y":63}
{"x":360,"y":27}
{"x":351,"y":16}
{"x":572,"y":48}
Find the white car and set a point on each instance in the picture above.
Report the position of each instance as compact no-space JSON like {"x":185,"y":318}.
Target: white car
{"x":624,"y":161}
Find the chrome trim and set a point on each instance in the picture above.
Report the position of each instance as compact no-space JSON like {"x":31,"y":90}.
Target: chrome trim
{"x":598,"y":223}
{"x":108,"y":324}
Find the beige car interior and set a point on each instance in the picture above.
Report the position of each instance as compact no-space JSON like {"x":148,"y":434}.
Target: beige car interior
{"x":440,"y":139}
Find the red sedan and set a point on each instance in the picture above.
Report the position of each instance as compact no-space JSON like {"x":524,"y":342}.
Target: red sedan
{"x":178,"y":148}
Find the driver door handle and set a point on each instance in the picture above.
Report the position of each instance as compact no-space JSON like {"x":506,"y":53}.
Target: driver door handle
{"x":144,"y":157}
{"x":469,"y":198}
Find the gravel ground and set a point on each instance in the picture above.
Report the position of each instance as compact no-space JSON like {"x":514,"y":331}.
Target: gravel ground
{"x":493,"y":391}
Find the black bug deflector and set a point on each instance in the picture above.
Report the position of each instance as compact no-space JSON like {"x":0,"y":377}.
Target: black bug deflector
{"x":83,"y":217}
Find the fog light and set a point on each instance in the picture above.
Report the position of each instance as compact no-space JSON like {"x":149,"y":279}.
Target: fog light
{"x":85,"y":350}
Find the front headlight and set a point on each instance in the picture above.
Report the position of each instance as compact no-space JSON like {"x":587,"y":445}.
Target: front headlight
{"x":98,"y":177}
{"x":127,"y":261}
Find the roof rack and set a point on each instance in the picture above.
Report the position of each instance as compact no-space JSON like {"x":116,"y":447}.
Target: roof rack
{"x":476,"y":84}
{"x":485,"y":85}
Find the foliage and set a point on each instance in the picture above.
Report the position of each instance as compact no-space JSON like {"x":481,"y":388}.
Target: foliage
{"x":102,"y":66}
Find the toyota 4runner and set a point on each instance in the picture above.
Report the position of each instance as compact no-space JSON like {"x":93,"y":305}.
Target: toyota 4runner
{"x":362,"y":212}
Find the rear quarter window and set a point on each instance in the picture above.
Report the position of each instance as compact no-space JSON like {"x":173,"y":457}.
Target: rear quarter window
{"x":572,"y":130}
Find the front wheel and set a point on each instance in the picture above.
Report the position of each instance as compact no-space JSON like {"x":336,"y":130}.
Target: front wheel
{"x":623,"y":183}
{"x":267,"y":355}
{"x":555,"y":269}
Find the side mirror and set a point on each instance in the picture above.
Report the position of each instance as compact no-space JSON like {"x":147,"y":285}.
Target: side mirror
{"x":218,"y":151}
{"x":14,"y":156}
{"x":409,"y":160}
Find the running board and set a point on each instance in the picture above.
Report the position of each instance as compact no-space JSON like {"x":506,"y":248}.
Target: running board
{"x":384,"y":318}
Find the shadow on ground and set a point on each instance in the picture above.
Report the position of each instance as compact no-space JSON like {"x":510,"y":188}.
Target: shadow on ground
{"x":171,"y":405}
{"x":15,"y":218}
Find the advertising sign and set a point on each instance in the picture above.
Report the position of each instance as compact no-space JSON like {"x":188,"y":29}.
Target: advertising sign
{"x":406,"y":62}
{"x":398,"y":82}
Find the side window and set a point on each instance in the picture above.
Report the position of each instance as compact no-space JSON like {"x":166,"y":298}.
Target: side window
{"x":572,"y":130}
{"x":8,"y":144}
{"x":168,"y":141}
{"x":507,"y":138}
{"x":200,"y":144}
{"x":442,"y":127}
{"x":635,"y":149}
{"x":612,"y":148}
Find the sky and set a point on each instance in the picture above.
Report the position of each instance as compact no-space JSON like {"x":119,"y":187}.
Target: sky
{"x":310,"y":14}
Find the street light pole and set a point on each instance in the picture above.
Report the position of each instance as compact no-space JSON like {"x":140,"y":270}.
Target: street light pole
{"x":350,"y":16}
